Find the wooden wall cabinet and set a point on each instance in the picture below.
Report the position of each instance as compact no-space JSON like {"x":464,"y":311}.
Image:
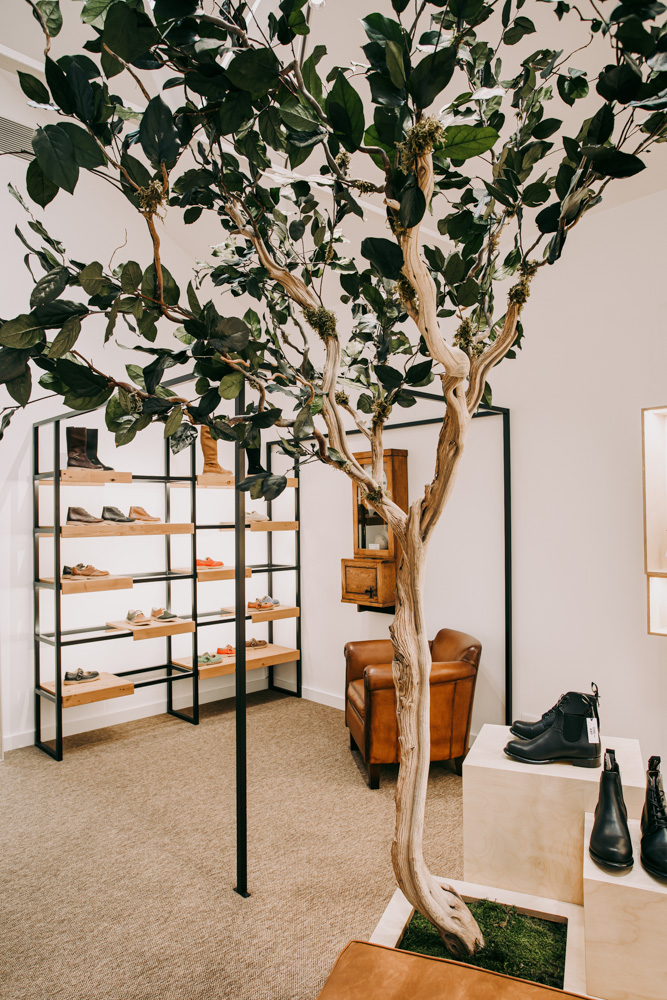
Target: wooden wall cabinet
{"x":369,"y":579}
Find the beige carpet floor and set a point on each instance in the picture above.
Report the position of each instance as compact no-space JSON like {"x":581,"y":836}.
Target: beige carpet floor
{"x":117,"y":865}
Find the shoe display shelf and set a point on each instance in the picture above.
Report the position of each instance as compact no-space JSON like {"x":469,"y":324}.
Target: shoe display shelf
{"x":172,"y":669}
{"x":523,"y":824}
{"x":654,"y":460}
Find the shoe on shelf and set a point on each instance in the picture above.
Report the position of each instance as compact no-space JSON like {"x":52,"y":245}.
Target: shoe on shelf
{"x":77,"y":457}
{"x":115,"y":515}
{"x":573,"y":737}
{"x":79,"y":515}
{"x":206,"y":658}
{"x":137,"y":618}
{"x":654,"y":823}
{"x":256,"y":643}
{"x":262,"y":605}
{"x":209,"y":446}
{"x":610,"y":844}
{"x":209,"y":563}
{"x":162,"y":615}
{"x":267,"y":599}
{"x":254,"y":515}
{"x":529,"y":730}
{"x":255,"y":467}
{"x":139,"y":514}
{"x":81,"y":570}
{"x":91,"y":450}
{"x":226,"y":650}
{"x":80,"y":676}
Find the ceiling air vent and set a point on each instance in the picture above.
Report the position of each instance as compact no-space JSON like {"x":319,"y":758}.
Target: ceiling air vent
{"x":16,"y":139}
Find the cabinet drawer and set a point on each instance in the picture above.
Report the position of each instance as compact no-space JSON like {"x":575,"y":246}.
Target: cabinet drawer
{"x":369,"y":581}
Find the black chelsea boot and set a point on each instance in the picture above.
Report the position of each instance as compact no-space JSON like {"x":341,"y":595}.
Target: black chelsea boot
{"x":574,"y":736}
{"x":654,"y":823}
{"x":529,"y":730}
{"x":91,"y":449}
{"x":610,"y":842}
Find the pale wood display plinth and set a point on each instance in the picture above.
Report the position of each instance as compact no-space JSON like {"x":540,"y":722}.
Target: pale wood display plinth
{"x":524,"y":823}
{"x":266,"y":656}
{"x":625,"y":917}
{"x":85,"y":692}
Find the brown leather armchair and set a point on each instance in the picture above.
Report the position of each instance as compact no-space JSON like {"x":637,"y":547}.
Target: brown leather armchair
{"x":370,"y":699}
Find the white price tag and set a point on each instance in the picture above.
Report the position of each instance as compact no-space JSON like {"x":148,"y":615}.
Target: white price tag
{"x":593,"y":735}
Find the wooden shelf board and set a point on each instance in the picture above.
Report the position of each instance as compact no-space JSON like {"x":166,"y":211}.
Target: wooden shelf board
{"x":210,"y":481}
{"x":174,"y":627}
{"x":89,"y":477}
{"x":109,"y":528}
{"x":267,"y":656}
{"x":279,"y":611}
{"x":214,"y":573}
{"x":263,"y":525}
{"x":92,"y":584}
{"x":108,"y":686}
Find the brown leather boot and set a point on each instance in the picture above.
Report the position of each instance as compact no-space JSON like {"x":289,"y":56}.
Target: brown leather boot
{"x":210,"y":448}
{"x":76,"y":449}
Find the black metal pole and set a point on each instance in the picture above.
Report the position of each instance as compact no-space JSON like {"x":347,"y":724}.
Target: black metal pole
{"x":36,"y":590}
{"x":241,"y":738}
{"x":297,"y":562}
{"x":507,"y":484}
{"x":57,"y":590}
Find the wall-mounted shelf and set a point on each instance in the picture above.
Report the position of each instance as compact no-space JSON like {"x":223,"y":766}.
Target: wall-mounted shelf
{"x":267,"y":656}
{"x":654,"y":454}
{"x":263,"y":525}
{"x":278,"y":612}
{"x":214,"y":481}
{"x":177,"y":626}
{"x":108,"y":686}
{"x":111,"y":529}
{"x":91,"y":584}
{"x":88,"y":477}
{"x":214,"y":573}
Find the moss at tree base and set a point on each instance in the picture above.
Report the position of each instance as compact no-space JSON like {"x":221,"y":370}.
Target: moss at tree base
{"x":516,"y":944}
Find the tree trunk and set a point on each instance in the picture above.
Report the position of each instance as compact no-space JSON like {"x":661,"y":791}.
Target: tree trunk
{"x":411,"y":668}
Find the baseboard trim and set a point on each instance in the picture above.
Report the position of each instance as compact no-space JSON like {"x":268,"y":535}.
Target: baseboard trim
{"x":324,"y":698}
{"x":86,"y":724}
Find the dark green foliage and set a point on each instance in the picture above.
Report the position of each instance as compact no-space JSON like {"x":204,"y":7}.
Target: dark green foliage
{"x":515,"y":944}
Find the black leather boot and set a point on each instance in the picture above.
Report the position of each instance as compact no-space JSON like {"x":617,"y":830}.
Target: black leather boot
{"x":574,"y":736}
{"x":654,"y":823}
{"x":254,"y":465}
{"x":610,"y":842}
{"x":529,"y":730}
{"x":91,"y":449}
{"x":76,"y":449}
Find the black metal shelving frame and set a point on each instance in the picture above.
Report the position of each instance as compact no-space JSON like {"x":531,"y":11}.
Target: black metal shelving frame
{"x":60,"y":638}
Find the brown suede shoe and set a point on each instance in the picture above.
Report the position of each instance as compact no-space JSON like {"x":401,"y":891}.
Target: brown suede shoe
{"x":139,"y":514}
{"x":81,"y":570}
{"x":78,"y":515}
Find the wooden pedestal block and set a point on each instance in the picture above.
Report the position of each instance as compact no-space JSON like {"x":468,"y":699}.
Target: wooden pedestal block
{"x":523,"y":824}
{"x":625,"y":916}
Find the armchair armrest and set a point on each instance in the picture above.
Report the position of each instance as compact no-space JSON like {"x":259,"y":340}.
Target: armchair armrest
{"x":446,"y":673}
{"x":450,"y":645}
{"x":359,"y":655}
{"x":378,"y":677}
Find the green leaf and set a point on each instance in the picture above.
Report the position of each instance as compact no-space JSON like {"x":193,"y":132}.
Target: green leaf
{"x":413,"y":206}
{"x":130,"y":279}
{"x":254,"y":70}
{"x":158,"y":136}
{"x":66,"y":339}
{"x":619,"y":83}
{"x":547,"y":127}
{"x":535,"y":194}
{"x":395,"y":64}
{"x":50,"y":11}
{"x":269,"y":125}
{"x":634,"y":37}
{"x":55,"y":155}
{"x":303,"y":424}
{"x":572,"y":88}
{"x":419,"y":374}
{"x":84,"y":101}
{"x":455,"y":269}
{"x":174,"y":10}
{"x":233,"y":113}
{"x":601,"y":126}
{"x":432,"y":75}
{"x":466,"y":10}
{"x":231,"y":385}
{"x":173,"y":421}
{"x":91,"y":278}
{"x":170,"y":289}
{"x":193,"y":301}
{"x":86,"y":151}
{"x":385,"y":255}
{"x":128,"y":33}
{"x":49,"y":287}
{"x":612,"y":162}
{"x":20,"y":388}
{"x":467,"y":294}
{"x":33,"y":88}
{"x":22,"y":332}
{"x":12,"y":363}
{"x":234,"y":332}
{"x":521,"y":26}
{"x":53,"y":314}
{"x":59,"y":86}
{"x":94,"y":10}
{"x":381,"y":29}
{"x":310,"y":76}
{"x":345,"y":110}
{"x":463,"y":141}
{"x":388,"y":376}
{"x":296,"y":117}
